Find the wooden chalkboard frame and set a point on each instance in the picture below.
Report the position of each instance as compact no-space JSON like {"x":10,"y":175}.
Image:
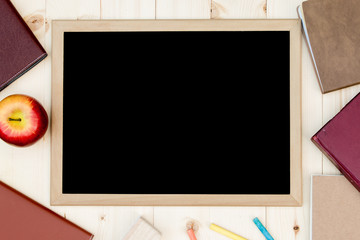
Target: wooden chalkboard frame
{"x":292,"y":199}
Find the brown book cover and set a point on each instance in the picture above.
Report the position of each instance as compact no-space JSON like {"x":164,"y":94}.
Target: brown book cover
{"x":334,"y":209}
{"x":21,"y":218}
{"x":333,"y":36}
{"x":20,"y":50}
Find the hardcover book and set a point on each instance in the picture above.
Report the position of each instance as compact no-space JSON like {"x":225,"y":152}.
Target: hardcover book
{"x":332,"y":34}
{"x":19,"y":48}
{"x":339,"y":140}
{"x":21,"y":218}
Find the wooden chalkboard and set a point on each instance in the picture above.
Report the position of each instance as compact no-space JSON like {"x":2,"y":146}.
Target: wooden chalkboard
{"x":184,"y":112}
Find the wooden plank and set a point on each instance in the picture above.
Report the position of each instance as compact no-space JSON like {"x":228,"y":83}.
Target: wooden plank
{"x":77,"y":9}
{"x":292,"y":223}
{"x":182,"y":9}
{"x":172,"y":222}
{"x":24,"y":168}
{"x":86,"y":217}
{"x":225,"y":9}
{"x":142,"y":230}
{"x":311,"y":157}
{"x":238,"y":220}
{"x":128,"y":9}
{"x":282,"y":8}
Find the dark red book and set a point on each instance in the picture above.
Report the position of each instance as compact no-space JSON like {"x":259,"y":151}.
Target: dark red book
{"x":339,"y":140}
{"x":21,"y":218}
{"x":19,"y":48}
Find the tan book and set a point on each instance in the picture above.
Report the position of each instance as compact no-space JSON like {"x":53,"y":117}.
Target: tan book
{"x":335,"y":208}
{"x":331,"y":29}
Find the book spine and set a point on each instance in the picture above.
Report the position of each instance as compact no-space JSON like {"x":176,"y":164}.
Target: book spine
{"x":303,"y":23}
{"x":23,"y":71}
{"x":336,"y":163}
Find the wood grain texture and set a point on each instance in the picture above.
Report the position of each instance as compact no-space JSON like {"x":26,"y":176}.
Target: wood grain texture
{"x":142,"y":230}
{"x":185,"y":9}
{"x":29,"y":169}
{"x":227,"y":9}
{"x":130,"y":9}
{"x":28,"y":166}
{"x":289,"y":224}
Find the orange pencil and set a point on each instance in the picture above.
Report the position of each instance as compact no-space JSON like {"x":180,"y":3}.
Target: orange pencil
{"x":191,"y":234}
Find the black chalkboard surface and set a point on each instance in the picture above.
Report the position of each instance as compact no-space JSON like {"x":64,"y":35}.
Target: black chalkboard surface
{"x":176,"y":112}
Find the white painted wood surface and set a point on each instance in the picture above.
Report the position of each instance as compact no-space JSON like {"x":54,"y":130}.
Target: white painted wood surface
{"x":142,"y":230}
{"x":28,"y":169}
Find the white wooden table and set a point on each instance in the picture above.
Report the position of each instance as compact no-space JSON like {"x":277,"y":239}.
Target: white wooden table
{"x":28,"y":169}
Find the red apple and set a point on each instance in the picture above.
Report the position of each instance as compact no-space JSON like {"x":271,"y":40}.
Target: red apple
{"x":23,"y":120}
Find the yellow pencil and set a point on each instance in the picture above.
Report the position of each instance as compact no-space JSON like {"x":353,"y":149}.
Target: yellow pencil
{"x":225,"y":232}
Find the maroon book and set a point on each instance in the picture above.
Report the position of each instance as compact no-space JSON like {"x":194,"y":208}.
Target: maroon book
{"x":339,"y":140}
{"x":19,"y":48}
{"x":21,"y":218}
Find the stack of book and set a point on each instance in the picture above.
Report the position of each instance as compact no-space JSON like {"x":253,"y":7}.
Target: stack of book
{"x":331,"y":30}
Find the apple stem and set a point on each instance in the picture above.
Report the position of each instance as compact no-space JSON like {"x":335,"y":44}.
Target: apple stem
{"x":15,"y":119}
